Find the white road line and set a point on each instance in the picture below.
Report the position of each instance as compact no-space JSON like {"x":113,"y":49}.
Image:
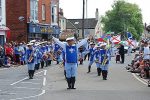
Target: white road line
{"x":3,"y":69}
{"x":27,"y":88}
{"x":19,"y":81}
{"x":145,"y":83}
{"x":24,"y":79}
{"x":45,"y":72}
{"x":44,"y":81}
{"x":43,"y":92}
{"x":30,"y":83}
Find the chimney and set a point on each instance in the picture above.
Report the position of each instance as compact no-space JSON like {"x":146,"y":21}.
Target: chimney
{"x":96,"y":14}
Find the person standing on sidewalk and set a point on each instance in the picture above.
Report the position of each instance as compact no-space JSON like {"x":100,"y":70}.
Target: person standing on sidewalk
{"x":71,"y":58}
{"x":146,"y":52}
{"x":1,"y":56}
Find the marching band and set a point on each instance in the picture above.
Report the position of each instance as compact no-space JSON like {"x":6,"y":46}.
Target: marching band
{"x":69,"y":53}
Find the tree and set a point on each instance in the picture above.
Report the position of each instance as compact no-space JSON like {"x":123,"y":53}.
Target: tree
{"x":123,"y":17}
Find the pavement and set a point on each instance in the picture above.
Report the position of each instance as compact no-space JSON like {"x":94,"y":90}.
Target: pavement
{"x":49,"y":84}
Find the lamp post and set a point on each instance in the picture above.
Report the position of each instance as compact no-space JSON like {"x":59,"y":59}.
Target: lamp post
{"x":83,"y":19}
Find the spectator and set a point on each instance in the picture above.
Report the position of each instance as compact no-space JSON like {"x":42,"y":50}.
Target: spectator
{"x":9,"y":51}
{"x":1,"y":56}
{"x":17,"y":54}
{"x":146,"y":52}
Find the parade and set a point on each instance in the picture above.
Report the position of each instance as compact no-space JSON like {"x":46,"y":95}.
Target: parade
{"x":74,"y":50}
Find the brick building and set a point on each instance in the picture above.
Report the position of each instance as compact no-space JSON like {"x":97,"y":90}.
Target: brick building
{"x":30,"y":19}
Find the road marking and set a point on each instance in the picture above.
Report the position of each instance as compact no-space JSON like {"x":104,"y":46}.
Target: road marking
{"x":27,"y":88}
{"x":24,"y":79}
{"x":29,"y":83}
{"x":43,"y":92}
{"x":44,"y":81}
{"x":145,"y":83}
{"x":3,"y":69}
{"x":45,"y":72}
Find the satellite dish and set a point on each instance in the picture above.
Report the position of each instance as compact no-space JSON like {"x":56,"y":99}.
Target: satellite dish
{"x":21,"y":18}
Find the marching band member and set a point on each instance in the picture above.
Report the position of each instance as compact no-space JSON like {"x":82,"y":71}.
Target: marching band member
{"x":81,"y":55}
{"x":56,"y":50}
{"x":92,"y":54}
{"x":38,"y":56}
{"x":104,"y":58}
{"x":71,"y":59}
{"x":97,"y":60}
{"x":30,"y":60}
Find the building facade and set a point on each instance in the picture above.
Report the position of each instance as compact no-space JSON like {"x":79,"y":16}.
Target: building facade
{"x":62,"y":20}
{"x":76,"y":25}
{"x":30,"y":19}
{"x":4,"y":30}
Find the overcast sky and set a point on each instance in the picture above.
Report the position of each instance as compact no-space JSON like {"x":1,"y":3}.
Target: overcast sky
{"x":73,"y":8}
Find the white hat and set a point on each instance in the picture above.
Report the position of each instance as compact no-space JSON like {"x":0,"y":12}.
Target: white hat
{"x":32,"y":41}
{"x":103,"y":44}
{"x":29,"y":44}
{"x":97,"y":46}
{"x":36,"y":44}
{"x":92,"y":43}
{"x":70,"y":38}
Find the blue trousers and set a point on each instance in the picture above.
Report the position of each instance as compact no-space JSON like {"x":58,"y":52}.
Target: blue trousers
{"x":104,"y":67}
{"x":91,"y":62}
{"x":71,"y":69}
{"x":31,"y":66}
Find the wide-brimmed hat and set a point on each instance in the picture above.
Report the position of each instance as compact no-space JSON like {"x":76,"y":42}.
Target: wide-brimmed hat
{"x":103,"y":44}
{"x":29,"y":44}
{"x":92,"y":43}
{"x":70,"y":38}
{"x":32,"y":41}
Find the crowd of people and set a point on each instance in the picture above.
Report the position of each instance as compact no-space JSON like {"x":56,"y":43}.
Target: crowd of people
{"x":71,"y":53}
{"x":141,"y":62}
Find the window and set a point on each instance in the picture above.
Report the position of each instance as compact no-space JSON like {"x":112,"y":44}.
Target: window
{"x":0,"y":7}
{"x":43,"y":12}
{"x":54,"y":14}
{"x":34,"y":9}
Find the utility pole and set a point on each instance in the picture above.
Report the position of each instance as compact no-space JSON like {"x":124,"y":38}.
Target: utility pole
{"x":83,"y":19}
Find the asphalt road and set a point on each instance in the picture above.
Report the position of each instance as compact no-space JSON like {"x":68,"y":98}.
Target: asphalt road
{"x":49,"y":84}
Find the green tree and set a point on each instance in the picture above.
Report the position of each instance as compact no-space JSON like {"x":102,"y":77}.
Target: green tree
{"x":123,"y":17}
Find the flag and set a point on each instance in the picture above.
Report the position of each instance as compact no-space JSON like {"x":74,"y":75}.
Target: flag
{"x":131,"y":42}
{"x":116,"y":39}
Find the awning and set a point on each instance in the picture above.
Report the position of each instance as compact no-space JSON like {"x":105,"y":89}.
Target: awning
{"x":4,"y":28}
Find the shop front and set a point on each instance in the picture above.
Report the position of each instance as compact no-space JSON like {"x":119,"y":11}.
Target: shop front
{"x":42,"y":31}
{"x":4,"y":35}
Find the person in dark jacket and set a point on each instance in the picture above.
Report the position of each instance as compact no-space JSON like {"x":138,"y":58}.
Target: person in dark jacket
{"x":122,"y":53}
{"x":1,"y":56}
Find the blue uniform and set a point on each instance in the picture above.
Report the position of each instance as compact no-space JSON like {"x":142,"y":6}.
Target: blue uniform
{"x":71,"y":61}
{"x":92,"y":55}
{"x":97,"y":56}
{"x":31,"y":65}
{"x":104,"y":54}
